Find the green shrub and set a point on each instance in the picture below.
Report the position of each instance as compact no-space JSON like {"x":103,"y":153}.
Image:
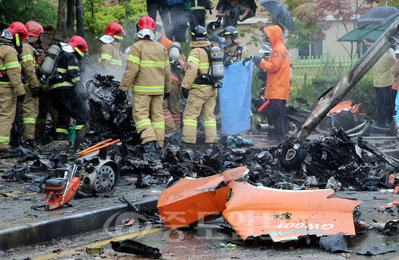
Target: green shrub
{"x":328,"y":75}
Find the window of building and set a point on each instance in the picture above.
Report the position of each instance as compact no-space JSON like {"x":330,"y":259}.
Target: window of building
{"x":315,"y":49}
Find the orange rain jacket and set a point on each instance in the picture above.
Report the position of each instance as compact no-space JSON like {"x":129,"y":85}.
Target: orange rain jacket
{"x":278,"y":66}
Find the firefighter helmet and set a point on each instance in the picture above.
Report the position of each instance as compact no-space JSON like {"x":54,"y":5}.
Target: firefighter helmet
{"x":146,"y":22}
{"x":78,"y":44}
{"x":34,"y":28}
{"x":114,"y":29}
{"x":230,"y":31}
{"x":16,"y":28}
{"x":199,"y":33}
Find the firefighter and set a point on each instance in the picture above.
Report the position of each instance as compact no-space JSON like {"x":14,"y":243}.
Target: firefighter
{"x":234,"y":52}
{"x":12,"y":89}
{"x":148,"y":75}
{"x":110,"y":55}
{"x":278,"y":82}
{"x":35,"y":31}
{"x":29,"y":109}
{"x":202,"y":95}
{"x":66,"y":88}
{"x":171,"y":109}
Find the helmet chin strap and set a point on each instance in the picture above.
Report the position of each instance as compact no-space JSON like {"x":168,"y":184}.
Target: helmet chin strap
{"x":78,"y":51}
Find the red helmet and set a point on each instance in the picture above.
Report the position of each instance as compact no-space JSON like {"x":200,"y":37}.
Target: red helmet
{"x":34,"y":28}
{"x":78,"y":43}
{"x":114,"y":29}
{"x":16,"y":28}
{"x":146,"y":22}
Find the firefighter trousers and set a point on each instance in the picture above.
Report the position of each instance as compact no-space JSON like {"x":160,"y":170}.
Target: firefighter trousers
{"x":68,"y":104}
{"x":29,"y":110}
{"x":148,"y":118}
{"x":45,"y":107}
{"x":171,"y":109}
{"x":201,"y":100}
{"x":8,"y":106}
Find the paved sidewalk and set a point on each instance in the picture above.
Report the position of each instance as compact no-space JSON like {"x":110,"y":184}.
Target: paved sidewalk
{"x":20,"y":225}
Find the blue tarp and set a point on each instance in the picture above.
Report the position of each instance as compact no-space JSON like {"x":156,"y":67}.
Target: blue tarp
{"x":235,"y":98}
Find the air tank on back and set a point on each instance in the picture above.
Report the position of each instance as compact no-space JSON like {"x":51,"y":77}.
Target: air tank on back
{"x":174,"y":51}
{"x":48,"y":64}
{"x":217,"y":63}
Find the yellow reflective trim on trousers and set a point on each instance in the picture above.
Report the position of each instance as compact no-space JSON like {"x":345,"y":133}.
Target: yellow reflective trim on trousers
{"x":4,"y":139}
{"x":143,"y":123}
{"x":209,"y":123}
{"x":158,"y":125}
{"x":193,"y":59}
{"x":189,"y":122}
{"x":61,"y":70}
{"x":78,"y":127}
{"x":10,"y":65}
{"x":151,"y":89}
{"x":26,"y":58}
{"x":28,"y":120}
{"x":61,"y":130}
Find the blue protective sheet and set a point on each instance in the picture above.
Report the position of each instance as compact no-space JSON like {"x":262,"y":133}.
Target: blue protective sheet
{"x":235,"y":98}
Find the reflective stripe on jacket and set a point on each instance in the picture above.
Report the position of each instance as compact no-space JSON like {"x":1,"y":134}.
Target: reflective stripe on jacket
{"x":197,"y":64}
{"x":10,"y":67}
{"x":147,"y":69}
{"x":28,"y":65}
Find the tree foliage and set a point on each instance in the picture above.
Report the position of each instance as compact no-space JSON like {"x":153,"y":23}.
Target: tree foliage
{"x":97,"y":15}
{"x":41,"y":11}
{"x":312,"y":18}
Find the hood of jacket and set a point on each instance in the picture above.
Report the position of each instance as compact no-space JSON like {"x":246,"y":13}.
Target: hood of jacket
{"x":197,"y":44}
{"x":275,"y":34}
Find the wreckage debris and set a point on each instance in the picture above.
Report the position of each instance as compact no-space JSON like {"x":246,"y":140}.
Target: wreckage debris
{"x":376,"y":251}
{"x":334,"y":243}
{"x":137,"y":248}
{"x":313,"y":212}
{"x":190,"y":200}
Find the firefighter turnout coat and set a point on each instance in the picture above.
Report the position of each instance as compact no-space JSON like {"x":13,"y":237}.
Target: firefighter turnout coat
{"x":147,"y":74}
{"x":29,"y":108}
{"x":68,"y":94}
{"x":111,"y":57}
{"x":202,"y":97}
{"x":171,"y":108}
{"x":10,"y":87}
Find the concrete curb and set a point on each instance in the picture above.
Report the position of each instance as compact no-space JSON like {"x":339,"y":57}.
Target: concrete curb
{"x":65,"y":226}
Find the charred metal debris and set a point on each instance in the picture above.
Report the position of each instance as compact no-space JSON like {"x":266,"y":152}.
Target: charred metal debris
{"x":348,"y":163}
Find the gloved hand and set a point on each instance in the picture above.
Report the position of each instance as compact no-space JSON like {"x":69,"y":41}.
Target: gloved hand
{"x":257,"y":60}
{"x":228,"y":63}
{"x":21,"y":98}
{"x":166,"y":96}
{"x":246,"y":59}
{"x":36,"y":92}
{"x":184,"y":92}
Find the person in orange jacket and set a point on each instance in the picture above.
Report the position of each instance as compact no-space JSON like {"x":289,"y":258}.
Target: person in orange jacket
{"x":278,"y":82}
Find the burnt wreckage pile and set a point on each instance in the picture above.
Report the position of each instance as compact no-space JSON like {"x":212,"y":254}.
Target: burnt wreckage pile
{"x":294,"y":163}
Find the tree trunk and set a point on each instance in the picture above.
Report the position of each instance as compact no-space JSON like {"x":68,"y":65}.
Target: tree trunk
{"x":61,"y":15}
{"x":79,"y":18}
{"x":70,"y":14}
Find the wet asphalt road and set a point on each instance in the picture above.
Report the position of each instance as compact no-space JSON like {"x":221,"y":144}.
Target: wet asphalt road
{"x":204,"y":241}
